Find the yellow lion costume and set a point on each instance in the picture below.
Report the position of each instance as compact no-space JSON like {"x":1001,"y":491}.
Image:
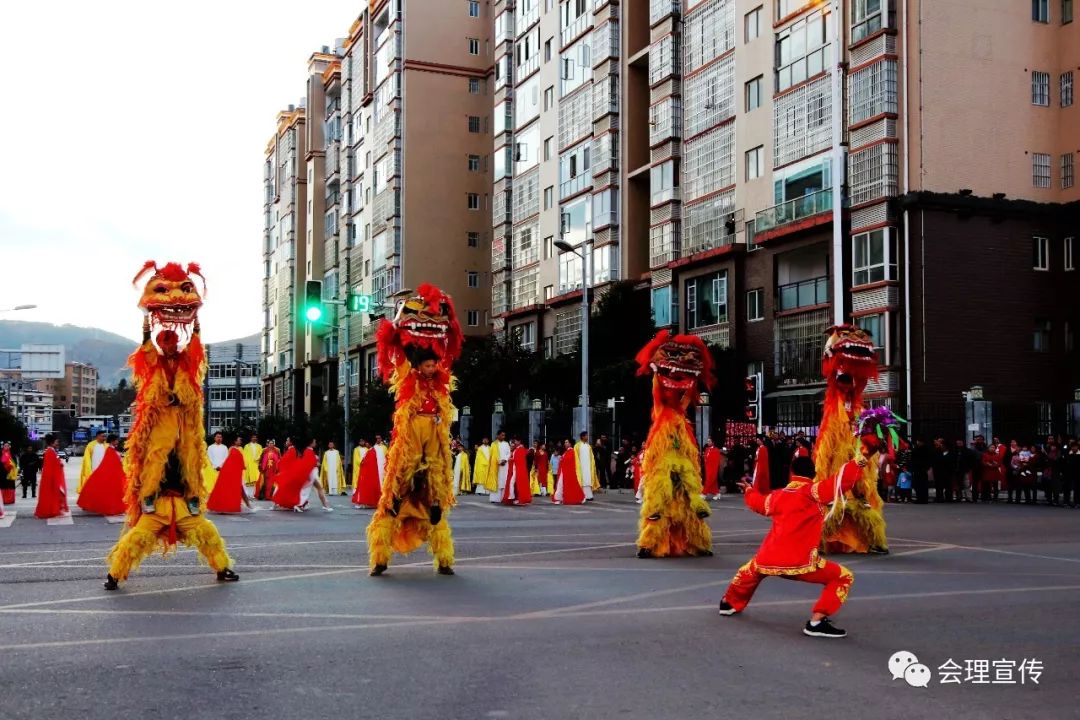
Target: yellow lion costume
{"x":672,"y":510}
{"x":415,"y":354}
{"x":166,"y":450}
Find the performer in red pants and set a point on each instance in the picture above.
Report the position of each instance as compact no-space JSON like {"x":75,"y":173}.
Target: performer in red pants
{"x":790,"y":550}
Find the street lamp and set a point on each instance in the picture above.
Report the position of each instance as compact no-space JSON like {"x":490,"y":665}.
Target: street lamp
{"x":567,"y":247}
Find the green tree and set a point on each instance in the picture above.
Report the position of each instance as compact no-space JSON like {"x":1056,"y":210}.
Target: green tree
{"x":490,"y":369}
{"x":12,"y":430}
{"x":372,"y":411}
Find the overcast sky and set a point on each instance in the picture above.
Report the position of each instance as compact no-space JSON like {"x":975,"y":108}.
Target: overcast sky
{"x":134,"y":131}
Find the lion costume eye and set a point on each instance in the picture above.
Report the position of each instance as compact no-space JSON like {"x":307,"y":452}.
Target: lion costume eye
{"x":187,"y":287}
{"x":161,"y":289}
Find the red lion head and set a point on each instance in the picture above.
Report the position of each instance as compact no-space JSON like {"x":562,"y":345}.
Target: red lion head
{"x":679,"y":365}
{"x":849,"y":360}
{"x":170,"y":296}
{"x":425,"y":326}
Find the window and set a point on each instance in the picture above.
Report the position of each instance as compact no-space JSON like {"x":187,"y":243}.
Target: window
{"x":1040,"y":170}
{"x":474,"y":201}
{"x":755,"y":305}
{"x":474,"y":123}
{"x":663,"y":180}
{"x":661,"y":306}
{"x":547,"y":50}
{"x":549,"y":247}
{"x":473,"y":238}
{"x":549,"y":292}
{"x":1040,"y":250}
{"x":474,"y":46}
{"x":874,"y":325}
{"x":525,"y":335}
{"x":549,"y":194}
{"x":1040,"y":11}
{"x":753,"y":94}
{"x":873,"y":259}
{"x":1068,"y":176}
{"x":1066,"y":84}
{"x":865,"y":18}
{"x":472,"y":318}
{"x":547,"y":147}
{"x":706,"y":300}
{"x":474,"y":86}
{"x":1066,"y":11}
{"x":755,"y":162}
{"x":474,"y":8}
{"x":1068,"y":254}
{"x":549,"y":97}
{"x":1042,"y":335}
{"x":474,"y":163}
{"x":1040,"y":88}
{"x":752,"y":25}
{"x":802,"y":49}
{"x":474,"y":279}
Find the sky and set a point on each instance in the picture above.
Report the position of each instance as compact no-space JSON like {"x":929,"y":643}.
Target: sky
{"x":136,"y":131}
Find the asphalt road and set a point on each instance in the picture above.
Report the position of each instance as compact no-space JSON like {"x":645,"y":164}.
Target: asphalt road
{"x":549,"y":616}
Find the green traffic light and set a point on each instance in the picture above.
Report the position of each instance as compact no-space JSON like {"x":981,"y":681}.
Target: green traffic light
{"x":313,"y":313}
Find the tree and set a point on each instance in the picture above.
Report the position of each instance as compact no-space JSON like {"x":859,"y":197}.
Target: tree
{"x":12,"y":430}
{"x":490,"y":369}
{"x":372,"y":412}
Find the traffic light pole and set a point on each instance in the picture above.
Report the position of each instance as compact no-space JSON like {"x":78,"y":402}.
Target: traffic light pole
{"x":344,"y":305}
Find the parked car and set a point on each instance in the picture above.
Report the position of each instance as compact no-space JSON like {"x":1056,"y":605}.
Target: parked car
{"x":62,"y":453}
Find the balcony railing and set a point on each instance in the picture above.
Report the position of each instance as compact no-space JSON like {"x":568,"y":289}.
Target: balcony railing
{"x":794,"y":210}
{"x":527,"y":68}
{"x":525,"y":19}
{"x":806,"y":293}
{"x":574,"y":185}
{"x":575,"y":28}
{"x":507,"y":32}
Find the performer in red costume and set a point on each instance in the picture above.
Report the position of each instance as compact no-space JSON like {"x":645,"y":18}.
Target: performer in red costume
{"x":368,"y":489}
{"x":269,"y":465}
{"x":517,"y":490}
{"x":790,"y":550}
{"x":103,"y":493}
{"x":710,"y":482}
{"x":52,"y":500}
{"x":228,"y":493}
{"x":294,"y":473}
{"x":568,"y":485}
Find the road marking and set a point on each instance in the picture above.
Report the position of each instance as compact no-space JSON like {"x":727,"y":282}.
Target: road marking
{"x":62,"y":520}
{"x":115,"y":519}
{"x":621,"y":599}
{"x":512,"y":618}
{"x":8,"y":519}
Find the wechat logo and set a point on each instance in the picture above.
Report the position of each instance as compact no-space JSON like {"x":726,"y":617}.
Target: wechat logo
{"x":903,"y":665}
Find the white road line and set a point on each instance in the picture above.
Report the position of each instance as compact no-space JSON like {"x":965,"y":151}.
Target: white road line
{"x":623,"y":599}
{"x":8,"y":519}
{"x":62,"y":520}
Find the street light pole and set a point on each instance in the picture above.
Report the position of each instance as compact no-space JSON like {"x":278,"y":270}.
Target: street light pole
{"x":584,"y":254}
{"x":838,"y":170}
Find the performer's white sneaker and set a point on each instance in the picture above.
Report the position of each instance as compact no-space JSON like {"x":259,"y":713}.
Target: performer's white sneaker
{"x":726,"y":608}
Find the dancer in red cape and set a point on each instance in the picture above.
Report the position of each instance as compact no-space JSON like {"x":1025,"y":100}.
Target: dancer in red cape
{"x":103,"y":492}
{"x":52,"y":500}
{"x":568,"y":487}
{"x":518,"y":490}
{"x":368,"y":489}
{"x":228,"y":492}
{"x":710,"y":486}
{"x":294,"y":473}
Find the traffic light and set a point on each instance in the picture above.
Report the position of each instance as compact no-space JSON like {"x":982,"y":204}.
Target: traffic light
{"x":359,"y":303}
{"x":72,"y":410}
{"x":313,"y":303}
{"x":753,"y":397}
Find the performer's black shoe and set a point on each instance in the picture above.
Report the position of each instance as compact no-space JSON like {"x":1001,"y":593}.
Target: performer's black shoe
{"x":227,"y":575}
{"x":703,"y":514}
{"x":395,"y":507}
{"x":644,"y":553}
{"x":654,"y":517}
{"x":435,"y":514}
{"x":726,"y":608}
{"x":193,"y":505}
{"x":148,"y":505}
{"x":445,"y":570}
{"x":111,"y":583}
{"x":704,"y":553}
{"x":377,"y":570}
{"x":823,"y":629}
{"x":878,"y":550}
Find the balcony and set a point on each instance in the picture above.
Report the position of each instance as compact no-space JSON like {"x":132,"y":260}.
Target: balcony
{"x":660,"y":9}
{"x":806,"y":293}
{"x":333,"y":162}
{"x":793,"y":211}
{"x":665,"y":121}
{"x":605,"y":97}
{"x":575,"y":28}
{"x":527,"y":68}
{"x":574,"y":185}
{"x":506,"y":32}
{"x":527,"y":17}
{"x":500,"y":259}
{"x":384,"y":283}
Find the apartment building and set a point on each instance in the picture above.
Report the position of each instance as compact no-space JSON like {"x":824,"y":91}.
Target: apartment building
{"x":77,"y":390}
{"x":398,"y":181}
{"x":716,"y":153}
{"x":233,"y":387}
{"x":284,"y":264}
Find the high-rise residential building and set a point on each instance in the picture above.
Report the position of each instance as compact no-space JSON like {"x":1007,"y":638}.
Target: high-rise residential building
{"x":232,"y":386}
{"x":768,"y":168}
{"x":555,"y":163}
{"x":284,"y":265}
{"x":397,"y":183}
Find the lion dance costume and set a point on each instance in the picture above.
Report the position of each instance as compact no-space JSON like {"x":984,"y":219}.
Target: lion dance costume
{"x":166,"y":450}
{"x":673,"y":512}
{"x":849,"y":362}
{"x":415,"y":354}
